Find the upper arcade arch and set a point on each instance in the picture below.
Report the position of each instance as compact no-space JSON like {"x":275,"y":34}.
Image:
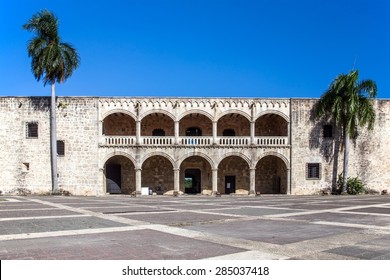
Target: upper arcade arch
{"x":233,"y":111}
{"x":271,"y":124}
{"x":196,"y":112}
{"x":157,"y":111}
{"x":119,"y":111}
{"x":234,"y":122}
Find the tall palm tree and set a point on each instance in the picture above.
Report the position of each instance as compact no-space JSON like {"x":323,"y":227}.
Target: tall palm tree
{"x":53,"y":61}
{"x":348,"y":103}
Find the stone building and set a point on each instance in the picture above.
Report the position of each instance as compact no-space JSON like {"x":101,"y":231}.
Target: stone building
{"x":188,"y":145}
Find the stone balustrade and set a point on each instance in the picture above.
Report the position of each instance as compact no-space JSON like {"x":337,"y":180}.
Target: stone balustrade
{"x":194,"y":141}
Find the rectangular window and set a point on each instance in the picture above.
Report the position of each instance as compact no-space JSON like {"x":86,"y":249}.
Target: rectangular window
{"x":328,"y":131}
{"x":32,"y":130}
{"x":61,"y":148}
{"x":313,"y":171}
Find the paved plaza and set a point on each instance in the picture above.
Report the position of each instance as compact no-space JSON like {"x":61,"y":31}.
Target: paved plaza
{"x":195,"y":227}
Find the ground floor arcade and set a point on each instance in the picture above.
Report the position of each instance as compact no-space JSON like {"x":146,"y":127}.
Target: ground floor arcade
{"x":196,"y":174}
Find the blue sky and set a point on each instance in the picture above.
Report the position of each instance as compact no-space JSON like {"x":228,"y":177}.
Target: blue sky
{"x":203,"y":48}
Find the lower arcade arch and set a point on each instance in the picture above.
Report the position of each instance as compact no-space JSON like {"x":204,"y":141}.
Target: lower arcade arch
{"x":195,"y":175}
{"x":233,"y":175}
{"x":157,"y":174}
{"x":119,"y":175}
{"x":271,"y":175}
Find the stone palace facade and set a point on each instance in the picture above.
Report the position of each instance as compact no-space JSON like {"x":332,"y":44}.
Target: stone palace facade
{"x":184,"y":145}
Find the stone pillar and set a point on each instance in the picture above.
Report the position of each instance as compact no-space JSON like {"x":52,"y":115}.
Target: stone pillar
{"x":252,"y":181}
{"x":138,"y":183}
{"x":288,"y":132}
{"x":215,"y":132}
{"x":176,"y":179}
{"x":177,"y":132}
{"x":101,"y":138}
{"x":252,"y":132}
{"x":138,"y":132}
{"x":214,"y":179}
{"x":288,"y":182}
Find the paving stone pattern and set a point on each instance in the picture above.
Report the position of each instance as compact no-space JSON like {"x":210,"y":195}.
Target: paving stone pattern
{"x":195,"y":227}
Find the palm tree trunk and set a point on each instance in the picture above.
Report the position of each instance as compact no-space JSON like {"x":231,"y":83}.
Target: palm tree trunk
{"x":53,"y":139}
{"x":346,"y":159}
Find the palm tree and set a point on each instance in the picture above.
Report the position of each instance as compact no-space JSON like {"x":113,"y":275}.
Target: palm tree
{"x":348,"y":103}
{"x":53,"y":61}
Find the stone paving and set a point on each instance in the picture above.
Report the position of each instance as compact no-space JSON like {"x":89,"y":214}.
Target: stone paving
{"x":195,"y":227}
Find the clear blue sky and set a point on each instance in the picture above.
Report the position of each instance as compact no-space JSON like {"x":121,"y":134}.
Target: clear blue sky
{"x":203,"y":48}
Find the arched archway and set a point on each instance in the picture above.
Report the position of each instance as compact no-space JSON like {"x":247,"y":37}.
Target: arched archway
{"x":195,"y":123}
{"x":233,"y":125}
{"x":157,"y":121}
{"x":119,"y":175}
{"x":118,"y":124}
{"x":195,"y":175}
{"x":271,"y":175}
{"x":157,"y":174}
{"x":233,"y":175}
{"x":271,"y":125}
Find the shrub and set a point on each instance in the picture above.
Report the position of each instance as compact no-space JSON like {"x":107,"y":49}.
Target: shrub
{"x":354,"y":185}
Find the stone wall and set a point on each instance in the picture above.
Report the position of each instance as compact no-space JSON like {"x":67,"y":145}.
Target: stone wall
{"x":26,"y":161}
{"x":368,"y":152}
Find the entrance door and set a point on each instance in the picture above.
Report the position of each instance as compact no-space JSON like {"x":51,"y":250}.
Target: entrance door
{"x":192,"y":181}
{"x":113,"y":178}
{"x":230,"y":184}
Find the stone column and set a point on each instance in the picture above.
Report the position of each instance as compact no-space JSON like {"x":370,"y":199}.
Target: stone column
{"x":252,"y":131}
{"x":215,"y":132}
{"x":288,"y":132}
{"x":101,"y":132}
{"x":138,"y":183}
{"x":138,"y":132}
{"x":176,"y":179}
{"x":252,"y":181}
{"x":214,"y":178}
{"x":176,"y":132}
{"x":288,"y":181}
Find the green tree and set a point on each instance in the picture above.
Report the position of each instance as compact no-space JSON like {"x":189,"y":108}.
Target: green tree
{"x":53,"y":61}
{"x":349,"y":104}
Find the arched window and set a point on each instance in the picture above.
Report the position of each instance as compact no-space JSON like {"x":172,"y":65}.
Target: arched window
{"x":193,"y":131}
{"x":229,"y":132}
{"x":158,"y":132}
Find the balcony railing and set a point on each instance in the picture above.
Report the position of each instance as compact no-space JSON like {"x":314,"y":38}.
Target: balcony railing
{"x":271,"y":141}
{"x":233,"y":141}
{"x":194,"y":141}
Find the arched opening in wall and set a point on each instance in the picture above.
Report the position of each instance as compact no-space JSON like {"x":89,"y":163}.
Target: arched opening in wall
{"x":271,"y":176}
{"x":157,"y":174}
{"x":119,"y":175}
{"x":233,"y":175}
{"x":193,"y":131}
{"x":233,"y":125}
{"x":157,"y":124}
{"x":118,"y":124}
{"x":271,"y":125}
{"x":195,"y":175}
{"x":195,"y":125}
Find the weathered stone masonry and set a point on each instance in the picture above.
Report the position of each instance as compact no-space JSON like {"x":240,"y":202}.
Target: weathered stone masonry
{"x":189,"y":145}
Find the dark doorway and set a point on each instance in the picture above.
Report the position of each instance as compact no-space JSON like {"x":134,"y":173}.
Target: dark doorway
{"x":193,"y":131}
{"x":230,"y":184}
{"x":192,"y":179}
{"x":113,"y":178}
